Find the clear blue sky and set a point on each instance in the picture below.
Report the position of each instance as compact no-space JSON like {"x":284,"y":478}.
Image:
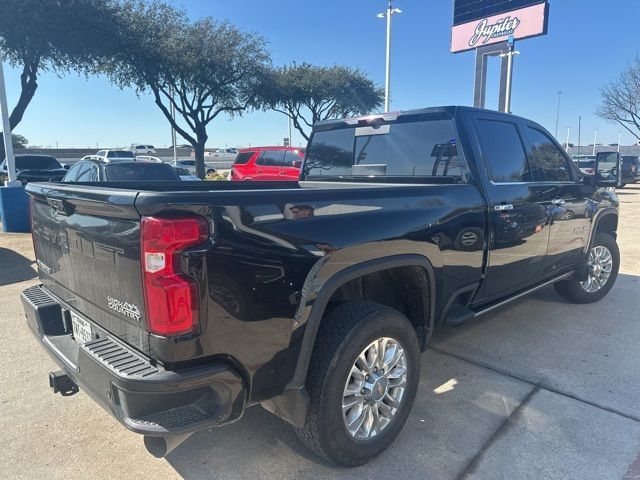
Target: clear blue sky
{"x":589,"y":42}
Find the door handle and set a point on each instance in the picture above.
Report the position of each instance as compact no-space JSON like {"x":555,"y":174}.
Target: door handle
{"x":557,"y":201}
{"x":503,"y":207}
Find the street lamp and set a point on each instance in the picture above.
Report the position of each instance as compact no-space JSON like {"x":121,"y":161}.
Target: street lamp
{"x":387,"y":83}
{"x":619,"y":140}
{"x":560,"y":92}
{"x":595,"y":139}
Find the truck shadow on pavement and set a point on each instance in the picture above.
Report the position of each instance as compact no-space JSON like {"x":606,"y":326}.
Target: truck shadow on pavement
{"x":15,"y":268}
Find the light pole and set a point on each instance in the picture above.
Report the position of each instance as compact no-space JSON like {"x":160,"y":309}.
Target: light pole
{"x":510,"y":53}
{"x":560,"y":92}
{"x":619,"y":140}
{"x":595,"y":139}
{"x":387,"y":77}
{"x":568,"y":133}
{"x":579,"y":132}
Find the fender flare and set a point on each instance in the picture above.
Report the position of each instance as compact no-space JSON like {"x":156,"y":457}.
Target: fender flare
{"x":606,"y":212}
{"x":336,"y":281}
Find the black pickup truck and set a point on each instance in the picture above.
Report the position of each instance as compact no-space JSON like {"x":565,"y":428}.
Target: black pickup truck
{"x":177,"y":306}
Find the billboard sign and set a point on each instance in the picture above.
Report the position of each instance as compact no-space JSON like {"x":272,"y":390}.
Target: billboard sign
{"x":525,"y":22}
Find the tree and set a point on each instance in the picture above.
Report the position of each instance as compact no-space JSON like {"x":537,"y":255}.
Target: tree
{"x":19,"y":141}
{"x":308,"y":93}
{"x":201,"y":68}
{"x":621,"y":99}
{"x":52,"y":35}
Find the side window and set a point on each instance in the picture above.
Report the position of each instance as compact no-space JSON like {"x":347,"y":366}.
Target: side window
{"x":546,"y":160}
{"x":84,"y":174}
{"x":272,"y":158}
{"x":290,"y":156}
{"x":72,"y":174}
{"x":503,"y":151}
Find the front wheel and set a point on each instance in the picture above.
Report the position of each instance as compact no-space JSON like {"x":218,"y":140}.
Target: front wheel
{"x":362,"y":382}
{"x":603,"y":264}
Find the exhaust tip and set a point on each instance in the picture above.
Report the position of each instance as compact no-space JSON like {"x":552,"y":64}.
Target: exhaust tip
{"x":160,"y":447}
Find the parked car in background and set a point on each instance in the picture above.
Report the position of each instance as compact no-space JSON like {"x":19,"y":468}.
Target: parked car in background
{"x":98,"y":170}
{"x":587,"y":165}
{"x":191,"y":166}
{"x":608,"y":166}
{"x":115,"y":155}
{"x":186,"y":175}
{"x":268,"y":163}
{"x":143,"y":149}
{"x":35,"y":168}
{"x":219,"y":154}
{"x":630,"y":169}
{"x":148,"y":158}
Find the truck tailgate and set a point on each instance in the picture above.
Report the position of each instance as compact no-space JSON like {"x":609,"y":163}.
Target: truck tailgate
{"x":87,"y":245}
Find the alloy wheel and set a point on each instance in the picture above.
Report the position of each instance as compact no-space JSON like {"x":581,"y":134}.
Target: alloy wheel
{"x":374,"y":388}
{"x":600,"y":265}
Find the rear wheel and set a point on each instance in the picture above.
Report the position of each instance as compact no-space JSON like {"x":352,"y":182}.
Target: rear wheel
{"x":362,"y":381}
{"x":603,"y":263}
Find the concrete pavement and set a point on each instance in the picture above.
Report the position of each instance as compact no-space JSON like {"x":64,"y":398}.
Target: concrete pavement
{"x":538,"y":389}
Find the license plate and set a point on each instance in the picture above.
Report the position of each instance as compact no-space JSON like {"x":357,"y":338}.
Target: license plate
{"x":81,"y":329}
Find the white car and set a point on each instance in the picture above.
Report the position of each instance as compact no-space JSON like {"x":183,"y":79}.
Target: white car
{"x":115,"y":155}
{"x":143,"y":149}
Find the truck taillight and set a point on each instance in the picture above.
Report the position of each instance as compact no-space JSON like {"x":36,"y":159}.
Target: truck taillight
{"x":171,"y":298}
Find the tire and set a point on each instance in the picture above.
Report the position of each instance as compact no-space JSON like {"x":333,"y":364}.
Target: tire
{"x":580,"y":292}
{"x":345,"y":332}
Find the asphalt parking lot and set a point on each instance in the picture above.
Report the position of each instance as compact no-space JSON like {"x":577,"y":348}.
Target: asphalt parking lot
{"x":537,"y":389}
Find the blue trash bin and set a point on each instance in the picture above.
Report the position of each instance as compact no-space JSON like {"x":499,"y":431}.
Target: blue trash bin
{"x":14,"y":209}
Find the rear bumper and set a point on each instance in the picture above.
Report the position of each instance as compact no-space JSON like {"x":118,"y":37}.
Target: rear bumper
{"x":144,"y":397}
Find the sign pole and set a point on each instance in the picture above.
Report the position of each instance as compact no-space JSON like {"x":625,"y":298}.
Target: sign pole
{"x":387,"y":78}
{"x":507,"y":99}
{"x":6,"y":128}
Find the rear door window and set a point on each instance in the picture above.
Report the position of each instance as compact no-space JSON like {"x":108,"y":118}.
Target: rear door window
{"x":503,"y":151}
{"x":272,"y":158}
{"x":545,"y":159}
